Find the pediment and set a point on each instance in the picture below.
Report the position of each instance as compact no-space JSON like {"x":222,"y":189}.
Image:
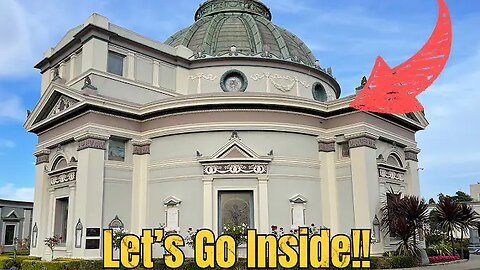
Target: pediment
{"x":55,"y":106}
{"x":235,"y":149}
{"x":11,"y":215}
{"x":54,"y":102}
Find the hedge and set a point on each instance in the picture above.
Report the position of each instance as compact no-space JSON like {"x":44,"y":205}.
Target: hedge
{"x":77,"y":264}
{"x":393,"y":262}
{"x":7,"y":262}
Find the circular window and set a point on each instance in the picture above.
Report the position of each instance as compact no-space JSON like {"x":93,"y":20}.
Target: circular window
{"x":319,"y":92}
{"x":234,"y":81}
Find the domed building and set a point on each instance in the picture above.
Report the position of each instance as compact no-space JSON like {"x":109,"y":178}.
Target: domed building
{"x":230,"y":121}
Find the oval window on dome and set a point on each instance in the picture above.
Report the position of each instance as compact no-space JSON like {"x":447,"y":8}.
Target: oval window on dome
{"x":319,"y":92}
{"x":234,"y":81}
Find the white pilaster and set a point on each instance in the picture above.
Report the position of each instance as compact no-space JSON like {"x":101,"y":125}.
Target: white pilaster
{"x":131,"y":66}
{"x":328,"y":185}
{"x":208,"y":202}
{"x":411,"y":176}
{"x":89,"y":189}
{"x":73,"y":61}
{"x":364,"y":178}
{"x":156,"y":73}
{"x":94,"y":55}
{"x":71,"y":220}
{"x":264,"y":226}
{"x":141,"y":158}
{"x":41,"y":201}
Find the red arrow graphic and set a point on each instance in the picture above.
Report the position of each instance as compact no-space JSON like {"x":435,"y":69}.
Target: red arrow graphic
{"x":395,"y":90}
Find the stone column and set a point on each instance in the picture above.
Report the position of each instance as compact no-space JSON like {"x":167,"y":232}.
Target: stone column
{"x":41,"y":201}
{"x":264,"y":227}
{"x":89,"y":190}
{"x":328,"y":184}
{"x":208,"y":202}
{"x":141,"y":159}
{"x":411,"y":176}
{"x":364,"y":178}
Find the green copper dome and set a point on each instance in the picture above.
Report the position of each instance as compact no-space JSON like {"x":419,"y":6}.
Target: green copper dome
{"x":245,"y":24}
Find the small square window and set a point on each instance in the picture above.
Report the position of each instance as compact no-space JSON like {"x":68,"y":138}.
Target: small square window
{"x":115,"y":63}
{"x":116,"y":150}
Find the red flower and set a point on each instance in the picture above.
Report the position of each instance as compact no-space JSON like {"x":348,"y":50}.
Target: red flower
{"x":274,"y":228}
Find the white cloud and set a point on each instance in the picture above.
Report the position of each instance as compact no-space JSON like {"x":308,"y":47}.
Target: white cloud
{"x":11,"y":108}
{"x":11,"y":192}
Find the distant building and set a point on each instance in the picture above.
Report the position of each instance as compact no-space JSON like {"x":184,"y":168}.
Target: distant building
{"x":15,"y":222}
{"x":475,"y":233}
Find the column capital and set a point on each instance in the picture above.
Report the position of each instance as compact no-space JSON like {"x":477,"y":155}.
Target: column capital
{"x":42,"y":155}
{"x":141,"y":147}
{"x":362,"y":139}
{"x":326,"y":145}
{"x":411,"y":153}
{"x":91,"y":140}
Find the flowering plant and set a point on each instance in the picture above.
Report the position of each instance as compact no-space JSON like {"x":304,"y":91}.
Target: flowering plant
{"x":439,"y":259}
{"x":117,"y":237}
{"x":52,"y":242}
{"x":277,"y":232}
{"x":239,"y":233}
{"x":190,"y":238}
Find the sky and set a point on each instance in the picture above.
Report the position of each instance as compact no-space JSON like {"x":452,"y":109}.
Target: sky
{"x":346,"y":35}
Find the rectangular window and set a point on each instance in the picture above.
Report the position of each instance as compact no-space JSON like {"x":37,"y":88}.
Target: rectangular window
{"x":61,"y":219}
{"x":116,"y":150}
{"x":9,"y":235}
{"x":298,"y":215}
{"x":235,"y":208}
{"x":115,"y":63}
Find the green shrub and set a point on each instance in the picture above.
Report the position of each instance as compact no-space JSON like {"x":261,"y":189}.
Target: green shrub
{"x":62,"y":264}
{"x":403,"y":262}
{"x":431,"y":252}
{"x":466,"y":253}
{"x":3,"y":262}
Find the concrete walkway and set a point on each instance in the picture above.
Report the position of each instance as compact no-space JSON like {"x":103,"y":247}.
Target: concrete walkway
{"x":472,"y":264}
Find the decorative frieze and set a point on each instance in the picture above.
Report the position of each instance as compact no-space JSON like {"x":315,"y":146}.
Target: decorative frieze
{"x":93,"y":141}
{"x":326,"y":146}
{"x":141,"y":147}
{"x":43,"y":156}
{"x":362,"y":140}
{"x":390,"y":174}
{"x":235,"y":169}
{"x":63,"y":176}
{"x":411,"y":154}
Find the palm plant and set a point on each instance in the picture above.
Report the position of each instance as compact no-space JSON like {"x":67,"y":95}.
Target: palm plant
{"x":402,"y":218}
{"x":450,"y":217}
{"x":470,"y":221}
